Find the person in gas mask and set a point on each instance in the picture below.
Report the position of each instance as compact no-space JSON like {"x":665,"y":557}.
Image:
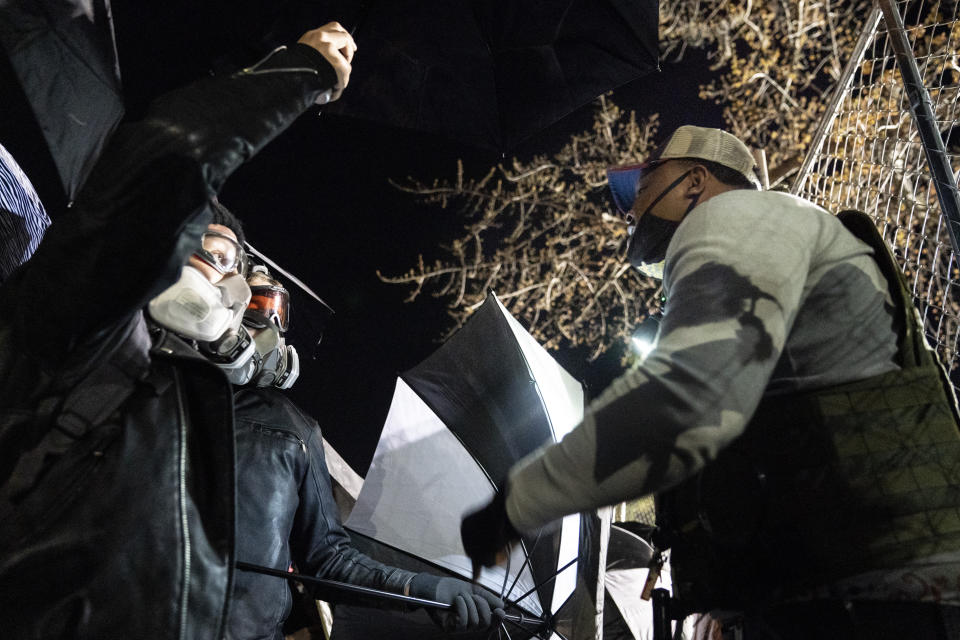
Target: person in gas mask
{"x":228,"y":304}
{"x":116,"y":433}
{"x":799,"y":434}
{"x":286,"y":513}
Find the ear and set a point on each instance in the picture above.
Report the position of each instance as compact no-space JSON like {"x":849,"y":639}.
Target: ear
{"x":699,"y":177}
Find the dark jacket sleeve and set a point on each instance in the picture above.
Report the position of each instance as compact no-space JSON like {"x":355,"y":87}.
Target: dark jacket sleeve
{"x":286,"y":515}
{"x":319,"y":543}
{"x":147,"y":200}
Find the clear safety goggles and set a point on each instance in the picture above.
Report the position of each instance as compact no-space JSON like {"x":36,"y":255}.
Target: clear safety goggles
{"x":223,"y":253}
{"x":273,"y":303}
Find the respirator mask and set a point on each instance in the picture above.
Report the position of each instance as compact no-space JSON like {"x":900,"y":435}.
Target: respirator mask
{"x":207,"y":313}
{"x":273,"y":363}
{"x":235,"y":326}
{"x":210,"y":314}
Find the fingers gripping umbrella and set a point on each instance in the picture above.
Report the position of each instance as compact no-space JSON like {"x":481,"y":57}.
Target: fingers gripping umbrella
{"x":457,"y":422}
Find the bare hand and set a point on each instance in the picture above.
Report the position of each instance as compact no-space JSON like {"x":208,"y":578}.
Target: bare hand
{"x":336,"y":45}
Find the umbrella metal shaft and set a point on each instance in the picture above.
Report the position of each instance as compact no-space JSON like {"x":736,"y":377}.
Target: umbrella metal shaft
{"x":367,"y":591}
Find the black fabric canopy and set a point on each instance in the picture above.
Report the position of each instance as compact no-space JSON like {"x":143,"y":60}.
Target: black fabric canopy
{"x":493,"y":72}
{"x":63,"y":57}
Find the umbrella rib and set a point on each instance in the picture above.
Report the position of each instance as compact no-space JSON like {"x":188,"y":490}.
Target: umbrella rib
{"x":500,"y":142}
{"x":526,"y":562}
{"x":542,"y":622}
{"x":543,"y":582}
{"x":506,"y":576}
{"x":80,"y":57}
{"x":617,"y":57}
{"x":561,"y":21}
{"x":652,"y":52}
{"x":427,"y":562}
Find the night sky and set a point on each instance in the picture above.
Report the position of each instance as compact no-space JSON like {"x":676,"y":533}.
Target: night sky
{"x":317,"y":200}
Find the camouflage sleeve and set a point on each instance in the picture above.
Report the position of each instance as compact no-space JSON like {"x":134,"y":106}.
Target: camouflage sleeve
{"x":735,"y":277}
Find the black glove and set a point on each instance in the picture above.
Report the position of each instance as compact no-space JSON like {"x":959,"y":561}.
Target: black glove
{"x":487,"y":531}
{"x":473,"y":607}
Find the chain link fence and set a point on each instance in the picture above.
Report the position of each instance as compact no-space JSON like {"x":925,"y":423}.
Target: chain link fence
{"x":892,"y":150}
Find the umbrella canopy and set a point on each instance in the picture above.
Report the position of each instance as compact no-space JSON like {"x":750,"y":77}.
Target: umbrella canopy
{"x":628,"y":557}
{"x":63,"y":55}
{"x":457,"y":422}
{"x":488,"y":73}
{"x":492,"y":72}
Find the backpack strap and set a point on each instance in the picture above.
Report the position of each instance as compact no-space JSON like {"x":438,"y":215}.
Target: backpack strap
{"x":914,"y":351}
{"x":108,"y":385}
{"x":912,"y":348}
{"x":59,"y":421}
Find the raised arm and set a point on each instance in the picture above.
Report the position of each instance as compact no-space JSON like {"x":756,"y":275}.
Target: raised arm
{"x":146,"y":202}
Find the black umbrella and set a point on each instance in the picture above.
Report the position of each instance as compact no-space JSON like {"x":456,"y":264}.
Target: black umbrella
{"x":489,"y":73}
{"x":492,"y":72}
{"x":62,"y":54}
{"x":458,"y":420}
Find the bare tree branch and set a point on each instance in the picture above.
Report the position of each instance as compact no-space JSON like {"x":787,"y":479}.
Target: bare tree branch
{"x":542,"y":231}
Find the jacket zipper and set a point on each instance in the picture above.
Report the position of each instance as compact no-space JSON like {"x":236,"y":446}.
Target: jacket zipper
{"x":289,"y":435}
{"x":184,"y":516}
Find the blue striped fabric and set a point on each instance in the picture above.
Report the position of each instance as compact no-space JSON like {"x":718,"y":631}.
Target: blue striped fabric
{"x":23,"y":219}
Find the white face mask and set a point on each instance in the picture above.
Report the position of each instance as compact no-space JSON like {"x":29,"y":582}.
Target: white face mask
{"x":197,"y":309}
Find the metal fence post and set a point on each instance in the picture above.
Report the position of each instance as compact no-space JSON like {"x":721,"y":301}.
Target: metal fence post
{"x":922,"y":109}
{"x":843,"y":84}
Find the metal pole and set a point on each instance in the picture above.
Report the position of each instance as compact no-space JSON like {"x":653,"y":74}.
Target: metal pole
{"x":605,"y":515}
{"x":662,"y":629}
{"x":843,"y":84}
{"x":369,"y":591}
{"x":922,"y":108}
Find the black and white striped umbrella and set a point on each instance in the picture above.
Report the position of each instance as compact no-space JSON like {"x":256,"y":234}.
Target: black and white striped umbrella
{"x":458,"y":421}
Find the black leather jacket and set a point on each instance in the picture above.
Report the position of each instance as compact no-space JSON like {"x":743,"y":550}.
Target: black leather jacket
{"x":116,"y":454}
{"x":286,"y":514}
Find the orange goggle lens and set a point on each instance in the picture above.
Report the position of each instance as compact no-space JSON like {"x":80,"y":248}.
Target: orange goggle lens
{"x":272,"y":302}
